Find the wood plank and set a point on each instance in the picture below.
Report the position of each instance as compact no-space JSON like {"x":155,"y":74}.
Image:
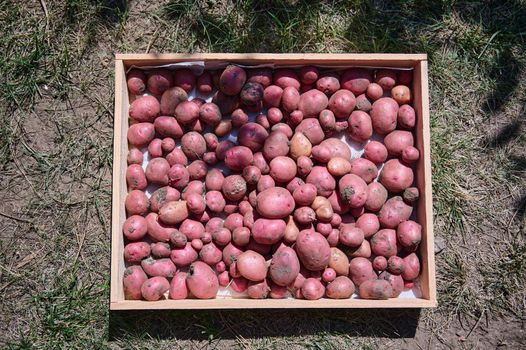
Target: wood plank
{"x":120,"y":128}
{"x":271,"y":304}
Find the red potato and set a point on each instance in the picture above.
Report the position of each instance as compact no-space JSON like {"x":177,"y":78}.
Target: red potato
{"x":251,"y":94}
{"x":368,"y":223}
{"x":133,"y":279}
{"x":395,"y":265}
{"x":305,"y":194}
{"x":396,"y":282}
{"x":251,"y":174}
{"x":136,"y":203}
{"x":135,"y":252}
{"x":290,"y":99}
{"x":159,"y":267}
{"x":144,"y":109}
{"x":222,"y":148}
{"x":376,"y":289}
{"x":204,"y":83}
{"x":170,"y":99}
{"x":398,"y":140}
{"x":295,"y":118}
{"x":356,"y":80}
{"x":222,"y":236}
{"x":275,"y":203}
{"x":272,"y":96}
{"x":183,"y":256}
{"x":376,"y":196}
{"x":178,"y":289}
{"x":337,"y":148}
{"x":393,"y":212}
{"x":210,"y":254}
{"x":168,"y":127}
{"x":328,"y":83}
{"x":277,"y":144}
{"x":214,"y":180}
{"x":409,"y":235}
{"x":305,"y":165}
{"x":193,"y":145}
{"x":173,"y":212}
{"x":328,"y":275}
{"x":238,"y":157}
{"x":167,"y":145}
{"x":411,"y":267}
{"x":185,"y":79}
{"x":374,"y":91}
{"x":353,"y":190}
{"x":411,"y":195}
{"x":260,"y":162}
{"x":136,"y":82}
{"x":197,"y":244}
{"x":361,"y":270}
{"x":363,"y":103}
{"x":157,"y":230}
{"x":282,"y":169}
{"x":285,"y":77}
{"x":193,"y":187}
{"x":233,"y":221}
{"x":338,"y":166}
{"x":262,"y":249}
{"x":202,"y":281}
{"x":244,"y":207}
{"x":321,"y":153}
{"x":406,"y":117}
{"x":162,"y":195}
{"x":159,"y":80}
{"x":153,"y":289}
{"x":384,"y":115}
{"x":322,"y":179}
{"x":341,"y":103}
{"x":311,"y":128}
{"x":364,"y":168}
{"x":357,"y":212}
{"x":158,"y":171}
{"x":192,"y":229}
{"x":405,"y":77}
{"x":312,"y":289}
{"x":234,"y":187}
{"x":227,"y":104}
{"x":324,"y":228}
{"x":160,"y":250}
{"x":275,"y":116}
{"x":265,"y":182}
{"x":284,"y":267}
{"x":262,"y":120}
{"x":253,"y":136}
{"x":384,"y":243}
{"x":396,"y":176}
{"x":341,"y":288}
{"x":209,"y":113}
{"x":135,"y":156}
{"x":239,"y":118}
{"x":351,"y":236}
{"x":375,"y":152}
{"x":178,"y":239}
{"x":232,"y":80}
{"x":197,"y":170}
{"x":360,"y":126}
{"x":177,"y":156}
{"x":363,"y":251}
{"x":312,"y":103}
{"x":308,"y":74}
{"x":252,"y":265}
{"x":284,"y":128}
{"x":135,"y":177}
{"x":262,"y":76}
{"x":230,"y":254}
{"x":268,"y":231}
{"x":239,"y":284}
{"x":135,"y":227}
{"x":380,"y":263}
{"x":410,"y":155}
{"x":140,"y":134}
{"x":328,"y":120}
{"x":313,"y":250}
{"x":223,"y":279}
{"x":220,"y":267}
{"x":304,"y":215}
{"x":258,"y":290}
{"x":386,"y":78}
{"x":339,"y":262}
{"x":278,"y":292}
{"x":178,"y":176}
{"x":401,"y":94}
{"x":195,"y":203}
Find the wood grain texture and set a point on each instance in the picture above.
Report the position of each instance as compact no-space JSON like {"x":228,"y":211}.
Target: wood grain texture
{"x":423,"y":175}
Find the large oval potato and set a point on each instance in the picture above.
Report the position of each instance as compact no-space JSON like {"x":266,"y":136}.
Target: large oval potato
{"x":252,"y":265}
{"x":133,"y":279}
{"x":341,"y":288}
{"x":313,"y":250}
{"x":268,"y":231}
{"x":284,"y":267}
{"x":312,"y":103}
{"x":202,"y":281}
{"x":275,"y":203}
{"x":376,"y":289}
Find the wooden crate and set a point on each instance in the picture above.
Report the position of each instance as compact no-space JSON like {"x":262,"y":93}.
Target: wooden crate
{"x":423,"y":177}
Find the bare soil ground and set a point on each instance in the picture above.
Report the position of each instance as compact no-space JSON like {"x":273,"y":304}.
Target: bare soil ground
{"x":56,"y":103}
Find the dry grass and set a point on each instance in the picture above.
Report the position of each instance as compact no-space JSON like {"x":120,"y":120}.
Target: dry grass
{"x":55,"y":160}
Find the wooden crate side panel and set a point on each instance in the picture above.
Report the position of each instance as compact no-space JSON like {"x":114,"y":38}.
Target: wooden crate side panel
{"x":120,"y":151}
{"x":423,"y":175}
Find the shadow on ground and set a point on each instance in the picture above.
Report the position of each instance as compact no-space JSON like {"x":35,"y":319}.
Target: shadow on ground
{"x":232,"y":324}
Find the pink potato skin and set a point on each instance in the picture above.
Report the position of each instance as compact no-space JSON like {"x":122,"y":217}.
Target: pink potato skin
{"x":328,"y":84}
{"x":158,"y":231}
{"x":238,"y":157}
{"x":353,"y":190}
{"x":135,"y":177}
{"x":375,"y":152}
{"x":277,"y":144}
{"x":145,"y":109}
{"x":312,"y":103}
{"x":356,"y":80}
{"x":409,"y":235}
{"x":135,"y":156}
{"x":337,"y":148}
{"x":396,"y":176}
{"x":192,"y":229}
{"x":158,"y":267}
{"x":312,"y":289}
{"x":137,"y":203}
{"x":360,"y":126}
{"x":376,"y":196}
{"x":163,"y":195}
{"x":290,"y":99}
{"x":364,"y":168}
{"x":136,"y":81}
{"x":384,"y":115}
{"x":305,"y":194}
{"x":311,"y":128}
{"x":274,"y":203}
{"x":241,"y":236}
{"x":374,"y":91}
{"x":210,"y":254}
{"x":282,"y":169}
{"x":396,"y":281}
{"x":363,"y":251}
{"x":159,"y":80}
{"x":285,"y":77}
{"x":214,"y":180}
{"x":368,"y":223}
{"x":158,"y":171}
{"x":268,"y":231}
{"x":193,"y":145}
{"x":183,"y":256}
{"x":308,"y":74}
{"x":406,"y":117}
{"x":272,"y":96}
{"x":386,"y":78}
{"x":262,"y":76}
{"x":322,"y":179}
{"x":133,"y":279}
{"x":393,"y":212}
{"x":170,"y":99}
{"x":411,"y":267}
{"x":153,"y":289}
{"x":363,"y":103}
{"x":284,"y":267}
{"x":160,"y":250}
{"x":185,"y":79}
{"x":384,"y":243}
{"x":258,"y":290}
{"x":204,"y":82}
{"x":140,"y":134}
{"x":351,"y":236}
{"x":253,"y":136}
{"x":396,"y":141}
{"x":234,"y":187}
{"x":135,"y":252}
{"x":178,"y":289}
{"x":410,"y":155}
{"x":202,"y":281}
{"x":232,"y":80}
{"x":231,"y":253}
{"x":376,"y":289}
{"x":135,"y":227}
{"x":313,"y":250}
{"x":168,"y":126}
{"x":340,"y":288}
{"x":341,"y":103}
{"x":361,"y":270}
{"x":251,"y":265}
{"x":380,"y":263}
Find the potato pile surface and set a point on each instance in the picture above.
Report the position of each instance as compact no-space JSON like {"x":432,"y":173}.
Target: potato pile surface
{"x":285,"y":210}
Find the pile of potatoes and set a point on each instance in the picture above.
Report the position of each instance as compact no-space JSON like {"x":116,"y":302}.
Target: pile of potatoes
{"x":285,"y":211}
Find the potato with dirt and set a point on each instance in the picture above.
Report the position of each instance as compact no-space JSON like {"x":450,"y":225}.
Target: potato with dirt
{"x":153,"y":289}
{"x":173,"y":212}
{"x":134,"y":278}
{"x":232,"y":80}
{"x":202,"y":281}
{"x":379,"y":289}
{"x":361,"y":270}
{"x":393,"y":212}
{"x":193,"y":145}
{"x":158,"y":267}
{"x":168,"y":127}
{"x":411,"y":267}
{"x":396,"y":281}
{"x":158,"y":171}
{"x":284,"y":266}
{"x":135,"y":252}
{"x":383,"y":243}
{"x":364,"y":168}
{"x":313,"y":250}
{"x":258,"y":289}
{"x":185,"y":79}
{"x":341,"y":288}
{"x":353,"y":190}
{"x":137,"y":203}
{"x":170,"y":99}
{"x":234,"y":187}
{"x":136,"y":82}
{"x":409,"y":235}
{"x":322,"y":179}
{"x":135,"y":177}
{"x":251,"y":94}
{"x":401,"y":94}
{"x":159,"y":80}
